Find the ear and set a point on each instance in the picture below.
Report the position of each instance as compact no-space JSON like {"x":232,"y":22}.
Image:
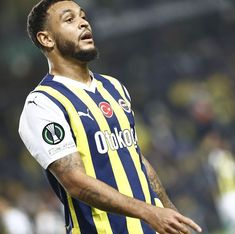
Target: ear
{"x":45,"y":39}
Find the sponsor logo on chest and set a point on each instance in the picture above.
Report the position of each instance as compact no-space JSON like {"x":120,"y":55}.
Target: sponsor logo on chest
{"x":115,"y":140}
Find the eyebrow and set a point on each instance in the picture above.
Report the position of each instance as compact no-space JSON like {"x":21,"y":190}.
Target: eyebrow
{"x":70,"y":11}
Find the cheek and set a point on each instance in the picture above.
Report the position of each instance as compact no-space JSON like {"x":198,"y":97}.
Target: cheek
{"x":68,"y":31}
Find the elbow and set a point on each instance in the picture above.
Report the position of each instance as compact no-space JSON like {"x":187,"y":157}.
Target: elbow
{"x":73,"y":186}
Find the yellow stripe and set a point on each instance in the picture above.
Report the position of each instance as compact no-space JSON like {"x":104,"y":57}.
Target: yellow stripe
{"x":158,"y":202}
{"x":100,"y":217}
{"x":124,"y":123}
{"x":134,"y":225}
{"x":117,"y":85}
{"x":77,"y":126}
{"x":74,"y":217}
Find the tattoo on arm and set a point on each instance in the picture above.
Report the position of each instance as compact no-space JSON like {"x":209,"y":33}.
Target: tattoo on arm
{"x":71,"y":174}
{"x":156,"y":185}
{"x":71,"y":166}
{"x":95,"y":198}
{"x":66,"y":164}
{"x":87,"y":189}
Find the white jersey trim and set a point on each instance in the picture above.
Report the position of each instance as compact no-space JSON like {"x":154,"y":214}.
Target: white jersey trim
{"x":38,"y":112}
{"x":77,"y":84}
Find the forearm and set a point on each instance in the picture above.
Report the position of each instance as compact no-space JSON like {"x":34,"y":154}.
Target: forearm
{"x":157,"y":186}
{"x":104,"y":197}
{"x":70,"y":172}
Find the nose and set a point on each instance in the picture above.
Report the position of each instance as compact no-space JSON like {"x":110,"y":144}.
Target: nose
{"x":83,"y":24}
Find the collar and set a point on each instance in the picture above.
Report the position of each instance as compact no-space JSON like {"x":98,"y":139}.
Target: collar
{"x":70,"y":82}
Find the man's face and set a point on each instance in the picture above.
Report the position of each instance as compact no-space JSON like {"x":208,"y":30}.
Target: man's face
{"x":71,"y":31}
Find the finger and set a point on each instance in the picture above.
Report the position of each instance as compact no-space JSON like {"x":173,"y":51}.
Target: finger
{"x":181,"y":228}
{"x":190,"y":223}
{"x":171,"y":230}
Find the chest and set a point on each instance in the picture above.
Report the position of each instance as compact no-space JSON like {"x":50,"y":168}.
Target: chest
{"x":107,"y":112}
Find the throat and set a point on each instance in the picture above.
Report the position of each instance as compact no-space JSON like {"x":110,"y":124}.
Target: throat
{"x":78,"y":73}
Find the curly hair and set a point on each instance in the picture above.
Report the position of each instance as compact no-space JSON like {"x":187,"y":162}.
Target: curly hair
{"x":37,"y":18}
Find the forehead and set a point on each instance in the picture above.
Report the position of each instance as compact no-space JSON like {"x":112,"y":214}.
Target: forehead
{"x":60,"y":8}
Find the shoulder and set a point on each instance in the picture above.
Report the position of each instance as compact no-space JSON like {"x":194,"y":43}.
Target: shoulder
{"x":115,"y":82}
{"x":37,"y":101}
{"x":104,"y":77}
{"x":38,"y":106}
{"x":108,"y":79}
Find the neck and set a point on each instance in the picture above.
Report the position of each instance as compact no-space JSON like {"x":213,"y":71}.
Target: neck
{"x":72,"y":69}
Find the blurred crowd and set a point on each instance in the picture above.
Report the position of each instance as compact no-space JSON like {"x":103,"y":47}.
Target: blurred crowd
{"x":29,"y":213}
{"x":181,"y":77}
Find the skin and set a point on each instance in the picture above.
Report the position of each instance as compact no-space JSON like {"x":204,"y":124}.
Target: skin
{"x":157,"y":186}
{"x":67,"y":20}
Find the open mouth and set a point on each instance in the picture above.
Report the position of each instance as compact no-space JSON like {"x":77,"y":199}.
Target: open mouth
{"x":86,"y":36}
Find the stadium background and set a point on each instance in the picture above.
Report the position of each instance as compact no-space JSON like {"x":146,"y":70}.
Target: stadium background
{"x":177,"y":58}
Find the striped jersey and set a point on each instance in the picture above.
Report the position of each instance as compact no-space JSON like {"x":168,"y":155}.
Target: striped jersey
{"x":98,"y":122}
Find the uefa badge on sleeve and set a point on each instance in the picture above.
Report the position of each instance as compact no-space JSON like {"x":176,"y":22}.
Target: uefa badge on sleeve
{"x":53,"y":133}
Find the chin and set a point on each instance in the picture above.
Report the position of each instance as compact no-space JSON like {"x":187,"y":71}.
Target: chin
{"x":88,"y":47}
{"x":86,"y":55}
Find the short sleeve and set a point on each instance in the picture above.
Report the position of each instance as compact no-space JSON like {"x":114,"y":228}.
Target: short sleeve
{"x":44,"y":130}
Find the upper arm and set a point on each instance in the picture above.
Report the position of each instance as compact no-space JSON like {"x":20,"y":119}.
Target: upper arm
{"x":42,"y":122}
{"x":156,"y":185}
{"x":152,"y":175}
{"x":148,"y":167}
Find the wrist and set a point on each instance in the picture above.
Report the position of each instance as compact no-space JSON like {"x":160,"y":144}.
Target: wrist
{"x":146,"y":212}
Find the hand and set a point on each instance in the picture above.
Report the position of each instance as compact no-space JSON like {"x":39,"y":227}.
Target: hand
{"x":168,"y":221}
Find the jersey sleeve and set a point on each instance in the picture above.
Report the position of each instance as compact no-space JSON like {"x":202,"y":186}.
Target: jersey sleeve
{"x":44,"y":130}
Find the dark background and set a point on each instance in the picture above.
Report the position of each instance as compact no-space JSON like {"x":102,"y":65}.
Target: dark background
{"x":177,"y":59}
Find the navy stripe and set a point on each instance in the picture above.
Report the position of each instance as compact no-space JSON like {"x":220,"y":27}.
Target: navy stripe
{"x":61,"y":194}
{"x":101,"y":164}
{"x":98,"y":162}
{"x":123,"y":153}
{"x":147,"y":229}
{"x":116,"y":95}
{"x":58,"y":189}
{"x":126,"y":94}
{"x":84,"y":216}
{"x":128,"y":164}
{"x":118,"y":223}
{"x":124,"y":156}
{"x":111,"y":88}
{"x":83,"y":211}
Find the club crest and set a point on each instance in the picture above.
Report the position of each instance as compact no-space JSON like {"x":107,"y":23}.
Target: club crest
{"x":124,"y":105}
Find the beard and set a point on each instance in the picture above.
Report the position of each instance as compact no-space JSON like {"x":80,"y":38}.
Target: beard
{"x":69,"y":49}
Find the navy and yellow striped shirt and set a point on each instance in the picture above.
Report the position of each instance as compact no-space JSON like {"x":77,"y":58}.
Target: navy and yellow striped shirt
{"x":103,"y":128}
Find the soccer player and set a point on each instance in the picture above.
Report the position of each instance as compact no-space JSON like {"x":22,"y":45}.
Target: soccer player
{"x":80,"y":127}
